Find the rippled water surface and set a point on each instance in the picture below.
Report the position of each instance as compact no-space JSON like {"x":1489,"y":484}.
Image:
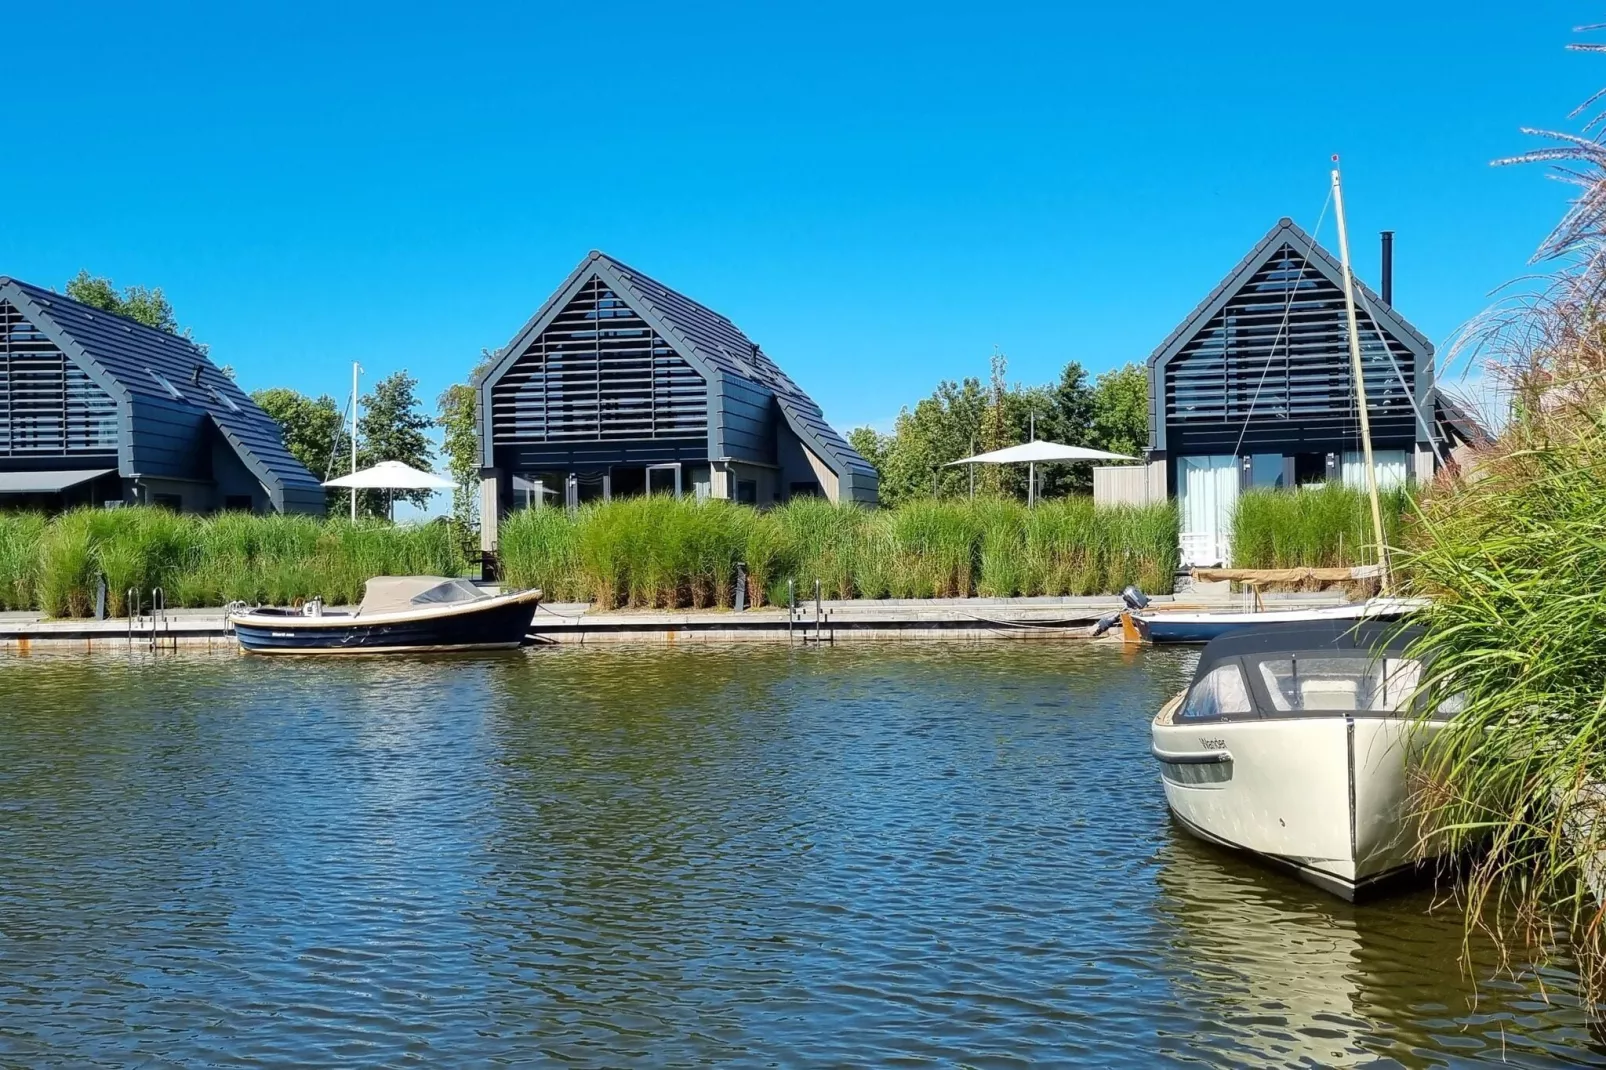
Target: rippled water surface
{"x":733,"y":856}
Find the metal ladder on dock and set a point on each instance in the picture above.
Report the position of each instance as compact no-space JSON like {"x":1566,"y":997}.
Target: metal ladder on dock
{"x":160,"y":624}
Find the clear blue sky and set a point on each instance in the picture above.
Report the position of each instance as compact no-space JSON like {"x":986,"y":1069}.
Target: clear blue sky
{"x":879,"y":194}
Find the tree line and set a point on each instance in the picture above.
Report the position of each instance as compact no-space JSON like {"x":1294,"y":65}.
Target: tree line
{"x":960,"y":418}
{"x":967,"y":417}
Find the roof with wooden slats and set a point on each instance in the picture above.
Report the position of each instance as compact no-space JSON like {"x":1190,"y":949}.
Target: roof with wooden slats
{"x":1263,"y":361}
{"x":648,"y":317}
{"x":149,"y":370}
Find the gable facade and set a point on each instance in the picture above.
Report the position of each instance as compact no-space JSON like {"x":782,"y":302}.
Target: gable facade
{"x":98,"y":409}
{"x":620,"y":385}
{"x":1256,"y":388}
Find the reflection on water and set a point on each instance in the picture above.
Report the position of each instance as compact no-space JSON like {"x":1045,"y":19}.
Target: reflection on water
{"x":716,"y":856}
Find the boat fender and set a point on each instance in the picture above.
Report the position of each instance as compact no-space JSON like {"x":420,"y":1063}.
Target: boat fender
{"x":1134,"y":598}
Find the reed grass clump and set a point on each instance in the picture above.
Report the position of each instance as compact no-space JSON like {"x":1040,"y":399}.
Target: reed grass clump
{"x":54,"y":564}
{"x":668,"y":553}
{"x":1329,"y":526}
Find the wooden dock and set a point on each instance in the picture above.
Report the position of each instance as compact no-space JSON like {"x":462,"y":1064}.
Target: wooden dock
{"x":962,"y":619}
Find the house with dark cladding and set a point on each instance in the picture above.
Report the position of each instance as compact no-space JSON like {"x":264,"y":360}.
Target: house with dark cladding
{"x":96,"y":409}
{"x":621,"y":386}
{"x":1254,"y":389}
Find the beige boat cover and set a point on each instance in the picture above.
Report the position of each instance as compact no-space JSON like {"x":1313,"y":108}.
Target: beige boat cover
{"x":395,"y":594}
{"x":1286,"y":575}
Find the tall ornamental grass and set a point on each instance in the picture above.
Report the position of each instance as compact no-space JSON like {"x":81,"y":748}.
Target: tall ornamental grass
{"x":1320,"y":527}
{"x":668,"y":553}
{"x":1516,"y":565}
{"x":1514,"y":555}
{"x":54,"y":564}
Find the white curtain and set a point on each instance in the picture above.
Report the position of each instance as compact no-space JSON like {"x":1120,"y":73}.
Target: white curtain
{"x":1391,"y":469}
{"x":1208,"y":490}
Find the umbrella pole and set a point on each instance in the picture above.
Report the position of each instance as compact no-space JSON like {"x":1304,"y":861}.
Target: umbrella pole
{"x":1031,"y":484}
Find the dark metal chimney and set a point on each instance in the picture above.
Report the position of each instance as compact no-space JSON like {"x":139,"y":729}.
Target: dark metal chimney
{"x":1388,"y":267}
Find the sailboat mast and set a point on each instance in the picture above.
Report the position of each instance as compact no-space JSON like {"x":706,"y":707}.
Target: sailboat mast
{"x":1385,"y":581}
{"x":355,"y":368}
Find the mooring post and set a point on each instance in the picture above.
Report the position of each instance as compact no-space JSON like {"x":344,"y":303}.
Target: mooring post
{"x":816,"y":611}
{"x":740,"y":599}
{"x":100,"y":596}
{"x":791,"y":607}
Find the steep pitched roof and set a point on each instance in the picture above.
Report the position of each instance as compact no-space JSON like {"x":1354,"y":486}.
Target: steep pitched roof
{"x":709,"y":341}
{"x":1291,"y":233}
{"x":1285,"y":232}
{"x":122,"y":355}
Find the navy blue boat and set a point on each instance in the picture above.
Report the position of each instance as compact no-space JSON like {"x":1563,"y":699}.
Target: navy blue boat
{"x":398,"y":614}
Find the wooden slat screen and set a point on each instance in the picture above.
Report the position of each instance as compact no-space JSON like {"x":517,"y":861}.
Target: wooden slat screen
{"x":48,"y":405}
{"x":1279,"y":352}
{"x":598,"y":372}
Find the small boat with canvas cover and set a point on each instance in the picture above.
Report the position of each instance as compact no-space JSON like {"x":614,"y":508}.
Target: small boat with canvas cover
{"x":398,"y":614}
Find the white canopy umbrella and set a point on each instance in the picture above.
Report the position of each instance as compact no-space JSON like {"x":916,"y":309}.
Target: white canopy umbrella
{"x":392,"y":475}
{"x":1035,"y":452}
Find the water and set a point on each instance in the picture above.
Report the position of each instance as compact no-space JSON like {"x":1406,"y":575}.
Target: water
{"x":739,"y":856}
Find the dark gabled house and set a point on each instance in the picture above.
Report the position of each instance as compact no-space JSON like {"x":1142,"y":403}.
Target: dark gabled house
{"x":620,"y":385}
{"x":96,"y":409}
{"x":1254,"y":389}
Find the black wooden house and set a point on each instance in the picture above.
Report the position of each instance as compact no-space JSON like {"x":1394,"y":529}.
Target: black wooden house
{"x":1255,"y":389}
{"x":96,"y":409}
{"x":619,"y":386}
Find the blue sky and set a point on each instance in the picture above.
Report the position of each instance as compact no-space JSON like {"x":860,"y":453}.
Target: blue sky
{"x":879,"y":194}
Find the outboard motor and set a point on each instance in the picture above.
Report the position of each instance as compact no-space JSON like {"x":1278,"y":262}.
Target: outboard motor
{"x":1134,"y":598}
{"x":1103,"y":625}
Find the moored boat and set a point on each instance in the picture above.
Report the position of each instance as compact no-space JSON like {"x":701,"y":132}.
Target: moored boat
{"x":1295,"y":743}
{"x":398,"y":614}
{"x":1201,"y":626}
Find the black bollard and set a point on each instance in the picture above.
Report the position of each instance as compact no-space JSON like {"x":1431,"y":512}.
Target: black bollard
{"x":100,"y":597}
{"x":741,"y":586}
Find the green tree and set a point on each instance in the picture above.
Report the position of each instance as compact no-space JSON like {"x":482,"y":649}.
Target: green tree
{"x":871,"y":444}
{"x":140,"y":304}
{"x":392,"y":428}
{"x":460,"y":442}
{"x":314,"y":433}
{"x":1068,"y":420}
{"x":1120,"y":410}
{"x":965,"y":417}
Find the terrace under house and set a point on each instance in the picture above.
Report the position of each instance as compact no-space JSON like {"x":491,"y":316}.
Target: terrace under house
{"x":98,"y":410}
{"x":621,"y":386}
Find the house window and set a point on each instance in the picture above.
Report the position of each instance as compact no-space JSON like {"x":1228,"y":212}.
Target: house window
{"x":162,"y":381}
{"x":168,"y":501}
{"x":806,"y":489}
{"x":747,"y":491}
{"x":237,"y":503}
{"x":222,"y":399}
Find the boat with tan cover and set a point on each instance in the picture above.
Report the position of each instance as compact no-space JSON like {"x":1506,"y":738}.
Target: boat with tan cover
{"x":398,"y":614}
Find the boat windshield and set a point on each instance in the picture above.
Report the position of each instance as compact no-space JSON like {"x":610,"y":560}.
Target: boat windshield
{"x":1220,"y":694}
{"x":1322,"y":682}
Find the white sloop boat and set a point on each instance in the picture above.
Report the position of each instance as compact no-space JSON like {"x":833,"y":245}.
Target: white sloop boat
{"x":1293,"y":743}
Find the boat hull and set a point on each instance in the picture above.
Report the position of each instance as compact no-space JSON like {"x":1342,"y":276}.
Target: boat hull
{"x":1201,"y":627}
{"x":499,"y":624}
{"x":1325,"y":797}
